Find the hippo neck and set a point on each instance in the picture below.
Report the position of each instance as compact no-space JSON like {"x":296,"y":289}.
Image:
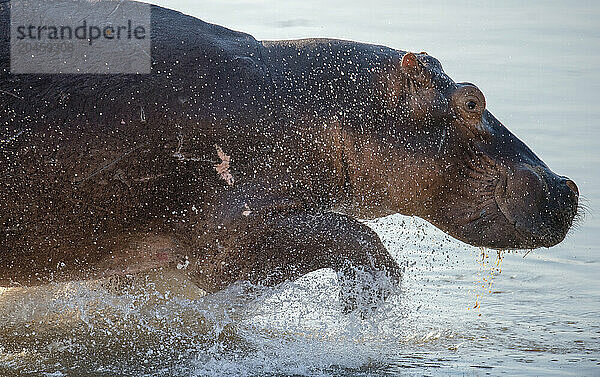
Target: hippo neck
{"x":322,"y":89}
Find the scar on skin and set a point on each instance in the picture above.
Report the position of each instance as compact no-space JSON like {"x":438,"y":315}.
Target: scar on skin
{"x":223,"y":168}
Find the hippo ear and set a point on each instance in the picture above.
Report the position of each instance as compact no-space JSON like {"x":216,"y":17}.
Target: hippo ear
{"x":409,"y":61}
{"x":399,"y":78}
{"x":413,"y":67}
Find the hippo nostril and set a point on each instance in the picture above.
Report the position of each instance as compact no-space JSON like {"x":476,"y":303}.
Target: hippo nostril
{"x":572,"y":186}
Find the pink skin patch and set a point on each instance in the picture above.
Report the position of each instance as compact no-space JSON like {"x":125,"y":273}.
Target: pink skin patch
{"x":162,"y":257}
{"x":146,"y":253}
{"x":223,"y":168}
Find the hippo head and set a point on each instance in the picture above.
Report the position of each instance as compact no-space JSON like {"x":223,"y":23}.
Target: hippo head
{"x":439,"y":154}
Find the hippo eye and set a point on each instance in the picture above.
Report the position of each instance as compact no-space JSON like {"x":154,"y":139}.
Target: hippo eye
{"x":472,"y":104}
{"x":469,"y":101}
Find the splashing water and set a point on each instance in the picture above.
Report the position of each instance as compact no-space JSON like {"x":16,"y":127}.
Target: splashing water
{"x":160,"y":324}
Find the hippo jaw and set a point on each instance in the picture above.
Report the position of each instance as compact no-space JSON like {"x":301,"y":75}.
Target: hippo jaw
{"x":511,"y":222}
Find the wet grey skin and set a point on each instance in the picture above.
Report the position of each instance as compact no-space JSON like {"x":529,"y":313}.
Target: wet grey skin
{"x":238,"y":159}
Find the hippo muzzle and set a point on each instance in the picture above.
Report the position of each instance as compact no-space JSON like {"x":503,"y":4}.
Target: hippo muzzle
{"x":529,"y":205}
{"x":539,"y":204}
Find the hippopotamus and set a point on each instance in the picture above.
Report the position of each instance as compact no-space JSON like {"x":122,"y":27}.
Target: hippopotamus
{"x":244,"y":160}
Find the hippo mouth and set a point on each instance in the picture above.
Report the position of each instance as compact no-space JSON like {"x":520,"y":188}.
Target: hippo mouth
{"x":527,"y":238}
{"x":525,"y":222}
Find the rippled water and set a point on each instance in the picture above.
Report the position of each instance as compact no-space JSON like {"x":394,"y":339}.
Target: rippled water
{"x":537,"y":64}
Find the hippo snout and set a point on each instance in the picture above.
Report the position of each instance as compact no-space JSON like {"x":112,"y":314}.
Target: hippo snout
{"x":539,"y":204}
{"x":563,"y":203}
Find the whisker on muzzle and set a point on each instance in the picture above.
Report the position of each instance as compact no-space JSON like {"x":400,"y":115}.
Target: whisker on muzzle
{"x":583,"y":210}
